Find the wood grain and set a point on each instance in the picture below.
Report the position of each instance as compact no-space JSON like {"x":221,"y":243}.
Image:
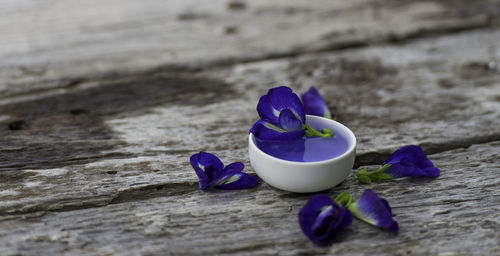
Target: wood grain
{"x":57,"y":44}
{"x":455,"y":214}
{"x":103,"y":102}
{"x":143,"y":131}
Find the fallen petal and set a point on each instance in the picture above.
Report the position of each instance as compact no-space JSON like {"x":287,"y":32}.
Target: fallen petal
{"x":237,"y":181}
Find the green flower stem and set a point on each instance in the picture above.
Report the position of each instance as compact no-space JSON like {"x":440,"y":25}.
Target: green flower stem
{"x":344,"y":198}
{"x":367,"y":177}
{"x":325,"y":132}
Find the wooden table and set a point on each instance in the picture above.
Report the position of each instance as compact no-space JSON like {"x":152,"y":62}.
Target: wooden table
{"x":103,"y":102}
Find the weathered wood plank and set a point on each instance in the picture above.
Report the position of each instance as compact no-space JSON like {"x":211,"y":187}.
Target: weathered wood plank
{"x":57,"y":44}
{"x":100,"y":109}
{"x":152,"y":125}
{"x":455,"y":214}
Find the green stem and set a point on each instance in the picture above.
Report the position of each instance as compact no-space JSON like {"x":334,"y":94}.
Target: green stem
{"x":382,"y":169}
{"x":363,"y":177}
{"x":325,"y":132}
{"x":344,"y":198}
{"x":367,"y":177}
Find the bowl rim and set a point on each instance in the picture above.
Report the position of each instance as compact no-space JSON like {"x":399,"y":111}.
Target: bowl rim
{"x":349,"y":151}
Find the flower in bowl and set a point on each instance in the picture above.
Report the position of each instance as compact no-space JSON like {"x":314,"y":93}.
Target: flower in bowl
{"x":283,"y":117}
{"x":314,"y":104}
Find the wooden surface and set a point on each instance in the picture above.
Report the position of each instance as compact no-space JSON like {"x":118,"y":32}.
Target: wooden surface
{"x":103,"y":102}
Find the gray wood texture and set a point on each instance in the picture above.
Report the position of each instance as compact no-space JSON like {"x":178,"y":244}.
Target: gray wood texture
{"x":103,"y":102}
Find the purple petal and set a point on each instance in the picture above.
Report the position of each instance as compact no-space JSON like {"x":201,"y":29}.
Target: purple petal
{"x":375,"y":210}
{"x":402,"y":170}
{"x":237,"y":181}
{"x":278,"y":99}
{"x":320,"y":219}
{"x":432,"y":171}
{"x":208,"y":168}
{"x":283,"y":98}
{"x":288,"y":121}
{"x":314,"y":104}
{"x":233,"y":168}
{"x":309,"y":213}
{"x":410,"y":161}
{"x":267,"y":131}
{"x":347,"y":219}
{"x":410,"y":154}
{"x":266,"y":110}
{"x":328,"y":221}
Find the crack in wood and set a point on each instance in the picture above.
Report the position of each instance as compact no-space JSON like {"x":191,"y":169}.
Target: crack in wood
{"x":135,"y":193}
{"x":486,"y":22}
{"x":377,"y":158}
{"x":149,"y":191}
{"x":52,"y":135}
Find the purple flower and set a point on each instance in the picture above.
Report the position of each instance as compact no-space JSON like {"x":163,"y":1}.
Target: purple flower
{"x":321,"y":219}
{"x":212,"y":174}
{"x":282,"y":117}
{"x":408,"y":161}
{"x":314,"y":104}
{"x":374,"y":210}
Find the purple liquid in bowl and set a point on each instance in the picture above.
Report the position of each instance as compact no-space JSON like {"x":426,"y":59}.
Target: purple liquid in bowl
{"x":306,"y":149}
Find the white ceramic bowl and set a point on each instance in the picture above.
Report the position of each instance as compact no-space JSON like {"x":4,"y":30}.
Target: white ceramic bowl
{"x":305,"y":177}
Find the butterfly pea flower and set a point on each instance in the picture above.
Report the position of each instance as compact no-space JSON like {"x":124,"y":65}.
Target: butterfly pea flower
{"x":283,"y":117}
{"x":321,"y":219}
{"x":314,"y":104}
{"x":408,"y":161}
{"x":371,"y":209}
{"x":212,"y":173}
